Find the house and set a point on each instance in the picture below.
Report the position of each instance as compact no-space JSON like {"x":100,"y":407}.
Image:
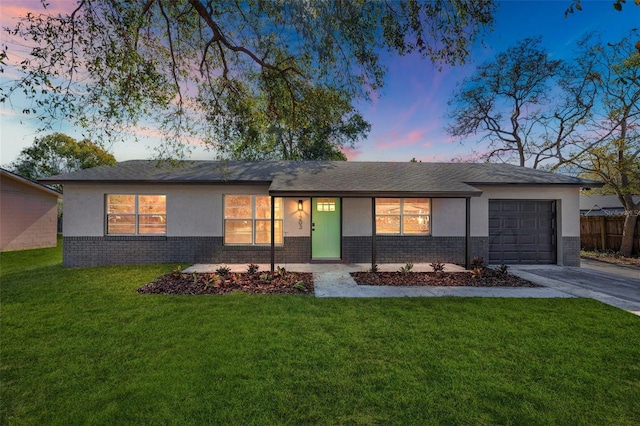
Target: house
{"x":602,"y":205}
{"x":298,"y":212}
{"x":28,"y":213}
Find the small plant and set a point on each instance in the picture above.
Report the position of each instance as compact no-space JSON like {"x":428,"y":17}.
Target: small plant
{"x":252,"y":268}
{"x":374,"y":268}
{"x":211,"y":280}
{"x":406,"y":268}
{"x":281,"y":271}
{"x":477,"y":263}
{"x":503,"y":269}
{"x":437,"y":266}
{"x":195,"y":278}
{"x":223,"y":271}
{"x":477,"y":272}
{"x":266,"y":277}
{"x":300,"y":286}
{"x":177,"y":272}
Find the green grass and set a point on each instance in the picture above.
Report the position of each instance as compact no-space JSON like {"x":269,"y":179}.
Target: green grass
{"x":80,"y":346}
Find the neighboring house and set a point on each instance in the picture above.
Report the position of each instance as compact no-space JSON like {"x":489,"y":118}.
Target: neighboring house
{"x":28,"y":213}
{"x":602,"y":205}
{"x":221,"y":212}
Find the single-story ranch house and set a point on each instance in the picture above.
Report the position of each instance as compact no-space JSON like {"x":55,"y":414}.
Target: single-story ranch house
{"x":298,"y":212}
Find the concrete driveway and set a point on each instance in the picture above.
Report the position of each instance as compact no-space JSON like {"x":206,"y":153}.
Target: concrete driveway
{"x":621,"y":290}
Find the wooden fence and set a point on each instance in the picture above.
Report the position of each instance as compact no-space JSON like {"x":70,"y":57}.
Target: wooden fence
{"x":605,"y":233}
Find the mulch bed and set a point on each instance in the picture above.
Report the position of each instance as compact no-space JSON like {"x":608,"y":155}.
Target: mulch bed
{"x":212,"y":283}
{"x":489,"y":278}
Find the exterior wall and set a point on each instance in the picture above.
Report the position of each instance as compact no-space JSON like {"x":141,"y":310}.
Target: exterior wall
{"x":448,"y":217}
{"x":356,"y":217}
{"x":195,"y":228}
{"x":296,"y":223}
{"x":568,"y":214}
{"x":28,"y":216}
{"x":192,"y":210}
{"x":98,"y":251}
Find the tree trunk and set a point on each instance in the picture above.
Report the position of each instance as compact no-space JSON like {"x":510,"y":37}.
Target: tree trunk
{"x":626,"y":247}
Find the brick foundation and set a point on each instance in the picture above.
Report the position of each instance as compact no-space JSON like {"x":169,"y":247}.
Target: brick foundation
{"x":401,"y":249}
{"x":571,"y":251}
{"x":99,"y":251}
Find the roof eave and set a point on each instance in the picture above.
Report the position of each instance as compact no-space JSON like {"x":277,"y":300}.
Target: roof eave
{"x":376,"y":194}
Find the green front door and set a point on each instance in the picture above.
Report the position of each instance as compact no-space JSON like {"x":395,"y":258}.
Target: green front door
{"x":325,"y":228}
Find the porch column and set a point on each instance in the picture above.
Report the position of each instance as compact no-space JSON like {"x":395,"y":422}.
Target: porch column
{"x":273,"y":234}
{"x":373,"y":232}
{"x":467,"y":234}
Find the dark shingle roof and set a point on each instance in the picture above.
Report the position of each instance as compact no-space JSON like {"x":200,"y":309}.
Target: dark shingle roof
{"x":327,"y":177}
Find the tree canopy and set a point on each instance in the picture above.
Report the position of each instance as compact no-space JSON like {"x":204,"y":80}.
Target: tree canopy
{"x":58,"y":153}
{"x":581,"y":116}
{"x":191,"y":66}
{"x":524,"y":103}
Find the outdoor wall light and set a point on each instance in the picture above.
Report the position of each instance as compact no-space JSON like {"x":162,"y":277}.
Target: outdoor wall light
{"x":300,"y":213}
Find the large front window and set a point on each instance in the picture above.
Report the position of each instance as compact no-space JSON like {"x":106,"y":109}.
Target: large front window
{"x":136,"y":214}
{"x":403,"y":216}
{"x":247,"y":219}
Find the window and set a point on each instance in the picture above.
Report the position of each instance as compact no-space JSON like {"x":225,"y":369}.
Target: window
{"x":136,"y":214}
{"x":403,"y":216}
{"x":326,"y":205}
{"x":247,"y":219}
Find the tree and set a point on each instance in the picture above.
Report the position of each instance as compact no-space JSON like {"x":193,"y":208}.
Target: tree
{"x":58,"y":153}
{"x":610,"y":148}
{"x":111,"y":65}
{"x":512,"y":101}
{"x":323,"y":123}
{"x":577,"y":5}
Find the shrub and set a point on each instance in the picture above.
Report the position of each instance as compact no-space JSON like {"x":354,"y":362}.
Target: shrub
{"x":477,"y":263}
{"x":223,"y":271}
{"x":406,"y":268}
{"x":374,"y":268}
{"x":252,"y":268}
{"x":477,"y":272}
{"x":266,"y":277}
{"x":437,"y":266}
{"x":503,"y":269}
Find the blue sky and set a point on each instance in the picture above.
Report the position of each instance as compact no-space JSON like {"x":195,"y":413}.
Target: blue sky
{"x":407,"y":116}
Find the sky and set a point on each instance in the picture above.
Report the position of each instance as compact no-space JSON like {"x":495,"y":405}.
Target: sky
{"x":408,"y":114}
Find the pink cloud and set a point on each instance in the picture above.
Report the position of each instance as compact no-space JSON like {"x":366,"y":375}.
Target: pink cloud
{"x":395,"y":141}
{"x":351,"y":153}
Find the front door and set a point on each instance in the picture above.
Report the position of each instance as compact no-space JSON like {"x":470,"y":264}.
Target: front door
{"x":325,"y":229}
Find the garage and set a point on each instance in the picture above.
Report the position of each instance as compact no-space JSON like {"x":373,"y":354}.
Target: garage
{"x":522,"y":232}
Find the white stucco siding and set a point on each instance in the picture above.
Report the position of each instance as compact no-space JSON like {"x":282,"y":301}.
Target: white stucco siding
{"x":292,"y":217}
{"x":192,"y":210}
{"x":356,"y":217}
{"x":448,"y":217}
{"x":567,"y":198}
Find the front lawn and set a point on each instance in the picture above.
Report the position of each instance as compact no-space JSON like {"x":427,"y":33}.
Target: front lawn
{"x":81,"y":346}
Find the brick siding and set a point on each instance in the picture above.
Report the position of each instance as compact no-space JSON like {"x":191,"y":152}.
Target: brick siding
{"x":98,"y":251}
{"x":571,"y":251}
{"x":401,"y":249}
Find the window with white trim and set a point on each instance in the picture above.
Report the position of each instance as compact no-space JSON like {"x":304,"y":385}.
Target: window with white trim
{"x":403,"y":216}
{"x":247,"y":219}
{"x":129,"y":214}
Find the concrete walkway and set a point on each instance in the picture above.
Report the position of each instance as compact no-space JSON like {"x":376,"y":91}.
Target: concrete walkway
{"x":333,"y":280}
{"x":616,"y":289}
